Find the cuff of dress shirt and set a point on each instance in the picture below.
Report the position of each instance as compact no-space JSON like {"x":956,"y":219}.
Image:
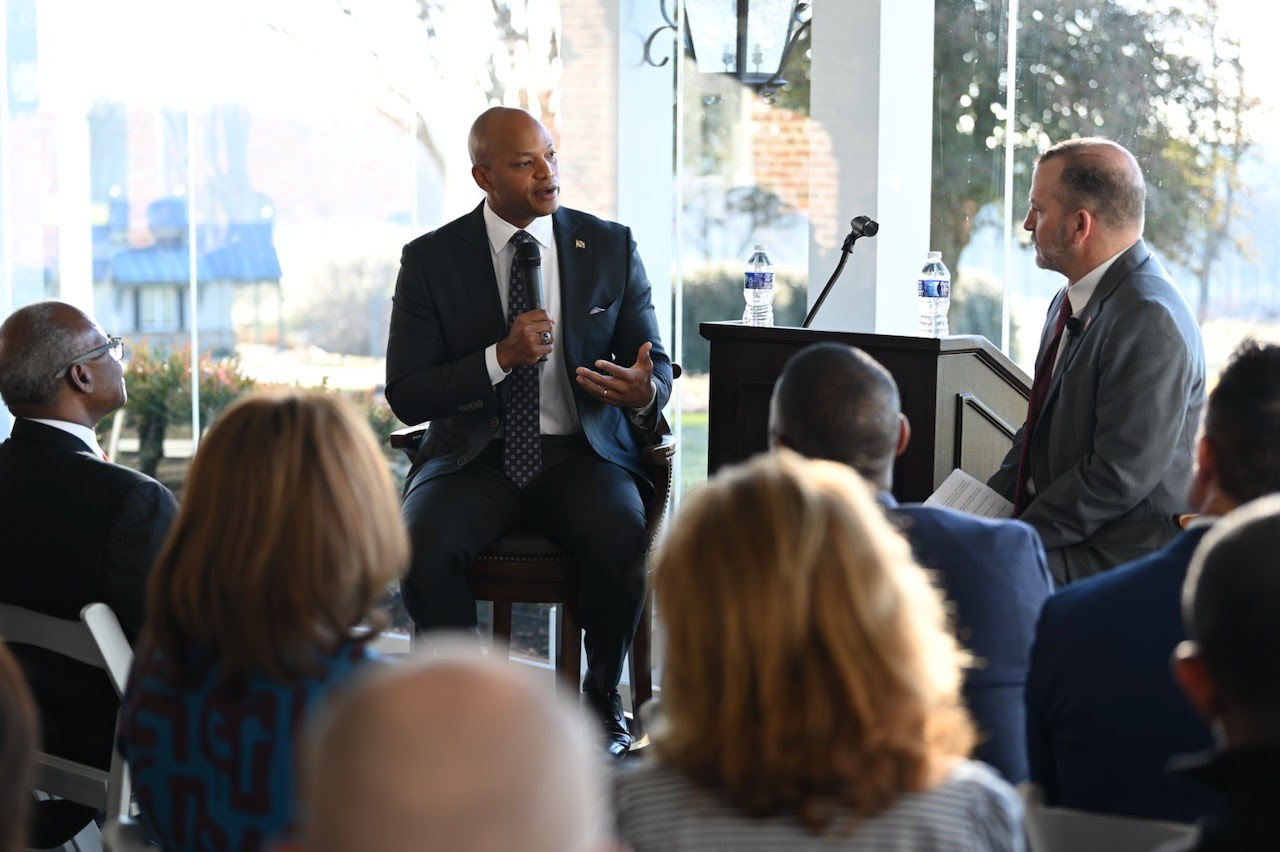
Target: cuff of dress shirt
{"x":496,"y":373}
{"x":639,"y":416}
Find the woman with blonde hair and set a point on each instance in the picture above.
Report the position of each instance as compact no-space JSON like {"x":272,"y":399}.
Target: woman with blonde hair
{"x":288,"y":531}
{"x":811,"y":691}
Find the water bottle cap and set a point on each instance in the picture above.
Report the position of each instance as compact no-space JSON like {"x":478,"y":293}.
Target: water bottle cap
{"x":935,"y":255}
{"x":759,"y":247}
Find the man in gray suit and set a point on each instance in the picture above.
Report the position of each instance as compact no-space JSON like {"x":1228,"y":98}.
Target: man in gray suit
{"x":1101,"y":466}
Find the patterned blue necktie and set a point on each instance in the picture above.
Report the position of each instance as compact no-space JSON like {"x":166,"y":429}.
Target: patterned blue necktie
{"x":521,"y":446}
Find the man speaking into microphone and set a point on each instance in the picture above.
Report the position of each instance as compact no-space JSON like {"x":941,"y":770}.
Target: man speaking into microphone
{"x":1100,"y":467}
{"x":525,"y":333}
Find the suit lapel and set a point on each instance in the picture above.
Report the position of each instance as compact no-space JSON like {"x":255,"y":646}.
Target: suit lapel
{"x":479,"y":286}
{"x":574,"y":256}
{"x":1124,"y":266}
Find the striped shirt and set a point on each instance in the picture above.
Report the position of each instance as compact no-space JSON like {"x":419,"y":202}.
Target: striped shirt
{"x":972,"y":809}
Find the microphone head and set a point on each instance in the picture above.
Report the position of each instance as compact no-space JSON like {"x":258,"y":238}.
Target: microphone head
{"x":864,"y":226}
{"x":527,"y":254}
{"x":1074,"y":325}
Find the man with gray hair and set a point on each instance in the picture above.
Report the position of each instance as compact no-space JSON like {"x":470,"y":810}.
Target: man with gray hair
{"x":1101,"y":465}
{"x":454,"y":752}
{"x":78,"y":529}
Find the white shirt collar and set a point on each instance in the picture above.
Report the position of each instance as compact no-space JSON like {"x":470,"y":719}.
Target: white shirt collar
{"x":84,"y":433}
{"x":1082,"y":291}
{"x":500,"y":231}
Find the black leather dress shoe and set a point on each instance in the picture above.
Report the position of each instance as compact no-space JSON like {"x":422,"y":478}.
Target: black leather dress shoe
{"x":607,"y":711}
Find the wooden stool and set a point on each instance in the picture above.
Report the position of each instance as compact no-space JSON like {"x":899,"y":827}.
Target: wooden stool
{"x":526,"y":567}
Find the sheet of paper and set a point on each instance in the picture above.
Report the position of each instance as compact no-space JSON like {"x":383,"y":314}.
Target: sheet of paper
{"x":962,"y":492}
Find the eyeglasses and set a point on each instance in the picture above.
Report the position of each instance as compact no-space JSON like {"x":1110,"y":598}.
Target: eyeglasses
{"x":114,"y":347}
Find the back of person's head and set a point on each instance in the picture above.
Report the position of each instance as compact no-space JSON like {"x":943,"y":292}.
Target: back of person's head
{"x":1102,"y":177}
{"x":35,"y":342}
{"x":1229,"y":602}
{"x":836,"y":402}
{"x":19,"y":733}
{"x":288,"y":531}
{"x":809,"y":666}
{"x":1242,"y":423}
{"x":456,"y":753}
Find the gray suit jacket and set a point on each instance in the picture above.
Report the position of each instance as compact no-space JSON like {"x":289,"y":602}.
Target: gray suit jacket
{"x":1111,"y":456}
{"x":447,"y":310}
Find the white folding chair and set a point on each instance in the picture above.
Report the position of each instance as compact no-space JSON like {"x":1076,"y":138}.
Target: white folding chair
{"x":1057,"y":829}
{"x":96,"y":640}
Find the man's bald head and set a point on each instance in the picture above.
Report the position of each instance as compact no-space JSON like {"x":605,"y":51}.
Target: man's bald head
{"x":37,"y":341}
{"x":494,"y":124}
{"x":1102,"y":177}
{"x":453,"y":752}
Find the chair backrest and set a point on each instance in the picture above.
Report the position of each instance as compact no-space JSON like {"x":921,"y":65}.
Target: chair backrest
{"x":1057,"y":829}
{"x":96,"y":640}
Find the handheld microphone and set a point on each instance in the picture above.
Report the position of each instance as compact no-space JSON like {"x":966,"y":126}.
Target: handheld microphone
{"x":861,"y":226}
{"x":529,"y":259}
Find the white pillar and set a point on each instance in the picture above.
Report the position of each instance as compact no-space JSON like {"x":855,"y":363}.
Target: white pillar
{"x":871,"y":143}
{"x":646,"y":151}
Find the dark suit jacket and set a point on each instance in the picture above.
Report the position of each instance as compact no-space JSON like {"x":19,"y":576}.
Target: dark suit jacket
{"x":446,"y":311}
{"x":78,"y":529}
{"x":1104,"y":714}
{"x":995,"y":574}
{"x":1111,"y":455}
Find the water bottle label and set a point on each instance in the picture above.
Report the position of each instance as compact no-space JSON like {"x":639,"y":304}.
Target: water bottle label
{"x":759,"y":280}
{"x":932,"y":288}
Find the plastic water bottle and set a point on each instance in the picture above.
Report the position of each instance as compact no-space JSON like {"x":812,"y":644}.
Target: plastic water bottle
{"x":757,"y":289}
{"x":933,"y":295}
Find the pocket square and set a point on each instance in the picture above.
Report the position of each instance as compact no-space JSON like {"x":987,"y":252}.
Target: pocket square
{"x":595,"y":311}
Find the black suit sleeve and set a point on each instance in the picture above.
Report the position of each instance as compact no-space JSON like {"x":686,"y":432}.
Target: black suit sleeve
{"x":137,"y":533}
{"x":637,"y":325}
{"x":425,"y":379}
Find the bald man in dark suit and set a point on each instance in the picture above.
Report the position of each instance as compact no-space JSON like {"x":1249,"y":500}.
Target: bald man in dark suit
{"x":515,"y":440}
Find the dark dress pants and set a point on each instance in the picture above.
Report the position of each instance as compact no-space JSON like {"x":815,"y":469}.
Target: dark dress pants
{"x":590,"y":507}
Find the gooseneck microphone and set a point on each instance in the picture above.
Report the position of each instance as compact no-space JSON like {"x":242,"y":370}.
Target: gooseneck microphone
{"x":861,"y":226}
{"x":529,"y":259}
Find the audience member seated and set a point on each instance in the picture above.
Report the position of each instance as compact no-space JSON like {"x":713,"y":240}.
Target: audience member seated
{"x":1230,"y":669}
{"x":78,"y":529}
{"x":1104,"y":712}
{"x":288,"y":532}
{"x":457,"y":753}
{"x":19,"y":732}
{"x":836,"y":402}
{"x":811,"y":696}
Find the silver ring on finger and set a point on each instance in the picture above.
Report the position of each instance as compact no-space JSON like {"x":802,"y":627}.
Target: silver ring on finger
{"x":606,"y":391}
{"x":546,"y":338}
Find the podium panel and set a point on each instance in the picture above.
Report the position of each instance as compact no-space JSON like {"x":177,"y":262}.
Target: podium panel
{"x":965,"y":399}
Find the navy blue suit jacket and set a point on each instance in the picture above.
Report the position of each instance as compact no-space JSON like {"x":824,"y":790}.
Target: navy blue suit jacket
{"x":447,"y":310}
{"x":996,"y":574}
{"x":1104,"y":714}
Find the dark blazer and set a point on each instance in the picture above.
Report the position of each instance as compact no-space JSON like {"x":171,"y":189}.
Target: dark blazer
{"x":995,"y":574}
{"x":447,"y":310}
{"x":1111,"y":456}
{"x":1104,"y":714}
{"x":78,"y":529}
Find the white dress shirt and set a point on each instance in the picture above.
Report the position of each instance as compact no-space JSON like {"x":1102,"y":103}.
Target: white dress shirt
{"x":559,"y":415}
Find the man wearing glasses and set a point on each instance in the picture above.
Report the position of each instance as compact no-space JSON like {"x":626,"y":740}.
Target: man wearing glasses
{"x":77,"y":529}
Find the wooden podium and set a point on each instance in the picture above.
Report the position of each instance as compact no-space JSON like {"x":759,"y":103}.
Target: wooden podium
{"x":965,"y":399}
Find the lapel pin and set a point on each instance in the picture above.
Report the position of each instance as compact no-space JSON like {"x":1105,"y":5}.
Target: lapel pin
{"x":579,"y":244}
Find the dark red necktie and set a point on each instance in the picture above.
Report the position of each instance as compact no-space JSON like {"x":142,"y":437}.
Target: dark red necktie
{"x":1039,"y":390}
